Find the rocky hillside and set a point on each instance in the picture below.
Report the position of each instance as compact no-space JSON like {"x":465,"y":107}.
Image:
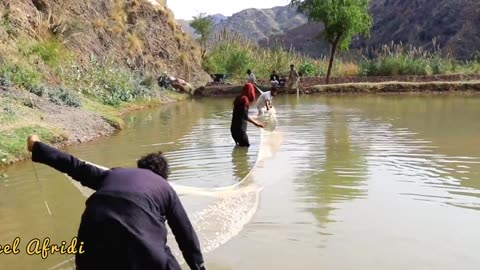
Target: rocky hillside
{"x":453,"y":23}
{"x":137,"y":34}
{"x":256,"y":24}
{"x":306,"y":38}
{"x":261,"y":23}
{"x":69,"y":69}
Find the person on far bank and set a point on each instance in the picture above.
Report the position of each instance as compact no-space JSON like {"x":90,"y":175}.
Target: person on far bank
{"x":264,"y":101}
{"x":293,"y":78}
{"x":251,"y":77}
{"x":274,"y":79}
{"x":124,"y":226}
{"x":238,"y":127}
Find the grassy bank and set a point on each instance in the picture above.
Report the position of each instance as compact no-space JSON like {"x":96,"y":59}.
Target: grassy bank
{"x":43,"y":90}
{"x":233,"y":55}
{"x":18,"y":120}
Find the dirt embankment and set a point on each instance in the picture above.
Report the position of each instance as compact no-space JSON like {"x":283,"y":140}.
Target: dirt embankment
{"x":396,"y":87}
{"x":23,"y":113}
{"x":358,"y":84}
{"x":78,"y":125}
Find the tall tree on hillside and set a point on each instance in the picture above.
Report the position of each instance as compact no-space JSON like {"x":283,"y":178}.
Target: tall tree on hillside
{"x":343,"y":19}
{"x":203,"y":26}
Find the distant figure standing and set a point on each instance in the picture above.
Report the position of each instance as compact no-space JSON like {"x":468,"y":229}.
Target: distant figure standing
{"x":241,"y":104}
{"x":251,"y":77}
{"x":264,"y":101}
{"x":293,"y":78}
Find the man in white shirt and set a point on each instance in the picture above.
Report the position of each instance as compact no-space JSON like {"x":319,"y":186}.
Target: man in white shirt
{"x":251,"y":77}
{"x":264,"y":101}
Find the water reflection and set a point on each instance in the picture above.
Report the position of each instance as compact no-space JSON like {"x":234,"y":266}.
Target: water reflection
{"x":339,"y":176}
{"x":427,"y":141}
{"x":240,"y":162}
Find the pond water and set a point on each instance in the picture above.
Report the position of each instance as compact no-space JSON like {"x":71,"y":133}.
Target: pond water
{"x":345,"y":182}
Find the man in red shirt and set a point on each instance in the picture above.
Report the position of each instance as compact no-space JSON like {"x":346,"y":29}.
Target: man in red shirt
{"x":241,"y":104}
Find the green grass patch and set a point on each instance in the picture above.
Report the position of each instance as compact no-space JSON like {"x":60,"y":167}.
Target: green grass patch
{"x":175,"y":96}
{"x":25,"y":76}
{"x":111,"y":114}
{"x":58,"y":95}
{"x":51,"y":51}
{"x":112,"y":86}
{"x":13,"y":142}
{"x":396,"y":59}
{"x":8,"y":111}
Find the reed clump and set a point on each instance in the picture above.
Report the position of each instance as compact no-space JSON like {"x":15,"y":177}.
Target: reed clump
{"x":232,"y":54}
{"x":399,"y":59}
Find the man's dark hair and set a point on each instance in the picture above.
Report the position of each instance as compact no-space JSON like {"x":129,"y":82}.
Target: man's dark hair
{"x":155,"y":162}
{"x":249,"y":71}
{"x":273,"y":89}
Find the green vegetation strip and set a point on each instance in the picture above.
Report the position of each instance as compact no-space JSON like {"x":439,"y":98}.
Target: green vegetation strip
{"x":13,"y":142}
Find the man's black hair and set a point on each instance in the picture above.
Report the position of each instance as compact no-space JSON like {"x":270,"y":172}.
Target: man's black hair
{"x":155,"y":162}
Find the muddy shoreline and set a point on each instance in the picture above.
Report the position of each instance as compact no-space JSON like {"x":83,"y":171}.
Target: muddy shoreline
{"x":390,"y":84}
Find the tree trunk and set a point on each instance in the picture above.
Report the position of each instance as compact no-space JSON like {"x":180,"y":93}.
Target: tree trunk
{"x":332,"y":58}
{"x":203,"y":51}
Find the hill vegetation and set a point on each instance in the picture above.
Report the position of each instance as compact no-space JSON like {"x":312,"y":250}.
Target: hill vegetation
{"x":69,"y":68}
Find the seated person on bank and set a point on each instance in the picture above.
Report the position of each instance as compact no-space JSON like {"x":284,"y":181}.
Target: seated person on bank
{"x":264,"y":101}
{"x":123,"y":226}
{"x":274,"y":79}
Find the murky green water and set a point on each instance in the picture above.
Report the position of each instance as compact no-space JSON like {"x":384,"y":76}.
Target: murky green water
{"x":351,"y":182}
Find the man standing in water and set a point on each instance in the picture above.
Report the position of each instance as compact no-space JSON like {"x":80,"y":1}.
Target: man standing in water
{"x":241,"y":104}
{"x":293,"y":78}
{"x":264,"y":101}
{"x":123,"y":226}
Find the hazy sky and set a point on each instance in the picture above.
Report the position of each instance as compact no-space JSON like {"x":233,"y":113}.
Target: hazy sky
{"x":185,"y":9}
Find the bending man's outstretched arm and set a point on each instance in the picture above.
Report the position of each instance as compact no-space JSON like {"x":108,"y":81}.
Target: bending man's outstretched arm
{"x":88,"y":175}
{"x":184,"y":233}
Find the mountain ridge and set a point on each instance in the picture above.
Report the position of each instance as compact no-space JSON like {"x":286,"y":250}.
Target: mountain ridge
{"x":414,"y":22}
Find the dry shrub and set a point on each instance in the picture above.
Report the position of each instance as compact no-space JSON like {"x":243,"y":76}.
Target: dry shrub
{"x":99,"y":23}
{"x":349,"y":69}
{"x":135,"y":44}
